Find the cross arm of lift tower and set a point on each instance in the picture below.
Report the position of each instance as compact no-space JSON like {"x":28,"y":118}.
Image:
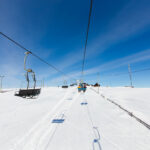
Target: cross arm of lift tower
{"x":35,"y":55}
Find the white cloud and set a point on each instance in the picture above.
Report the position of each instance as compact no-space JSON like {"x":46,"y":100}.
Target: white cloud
{"x":135,"y":58}
{"x":132,"y":19}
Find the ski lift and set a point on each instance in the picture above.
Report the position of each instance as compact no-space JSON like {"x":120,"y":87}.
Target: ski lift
{"x":32,"y":92}
{"x":82,"y":87}
{"x":65,"y":84}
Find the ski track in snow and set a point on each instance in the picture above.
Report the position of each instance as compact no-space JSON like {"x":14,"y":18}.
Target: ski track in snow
{"x":136,"y":126}
{"x":40,"y":136}
{"x":95,"y":119}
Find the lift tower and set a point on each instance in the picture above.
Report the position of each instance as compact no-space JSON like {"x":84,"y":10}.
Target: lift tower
{"x":1,"y":82}
{"x":130,"y":75}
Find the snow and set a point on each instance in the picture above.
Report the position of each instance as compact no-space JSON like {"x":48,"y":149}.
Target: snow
{"x":27,"y":124}
{"x":136,"y":100}
{"x":18,"y":115}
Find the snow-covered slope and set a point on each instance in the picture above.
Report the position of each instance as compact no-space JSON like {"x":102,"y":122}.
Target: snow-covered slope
{"x":18,"y":115}
{"x":137,"y":100}
{"x":84,"y":121}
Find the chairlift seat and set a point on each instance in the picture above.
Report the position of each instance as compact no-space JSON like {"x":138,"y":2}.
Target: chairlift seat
{"x":65,"y":86}
{"x":28,"y":92}
{"x":81,"y":89}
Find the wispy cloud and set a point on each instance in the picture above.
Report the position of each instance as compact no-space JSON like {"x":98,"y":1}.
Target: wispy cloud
{"x":132,"y":59}
{"x":131,"y":20}
{"x":70,"y":59}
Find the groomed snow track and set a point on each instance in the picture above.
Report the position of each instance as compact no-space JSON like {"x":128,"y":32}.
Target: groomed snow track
{"x":41,"y":135}
{"x":127,"y":111}
{"x":80,"y":121}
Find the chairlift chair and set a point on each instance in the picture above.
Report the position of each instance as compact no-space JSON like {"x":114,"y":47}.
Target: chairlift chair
{"x":82,"y":87}
{"x":32,"y":92}
{"x":65,"y":84}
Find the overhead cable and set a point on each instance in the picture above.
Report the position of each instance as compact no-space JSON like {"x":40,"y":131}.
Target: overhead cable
{"x":35,"y":55}
{"x":84,"y":53}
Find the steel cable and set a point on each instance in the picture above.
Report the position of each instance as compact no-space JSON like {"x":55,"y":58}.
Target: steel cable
{"x":35,"y":55}
{"x":87,"y":33}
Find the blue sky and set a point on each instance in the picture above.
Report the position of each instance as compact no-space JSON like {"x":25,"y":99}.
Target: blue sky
{"x":55,"y":29}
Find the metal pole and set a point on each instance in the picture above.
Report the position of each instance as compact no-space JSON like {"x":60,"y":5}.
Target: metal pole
{"x":98,"y":74}
{"x":130,"y":75}
{"x":43,"y":83}
{"x":1,"y":82}
{"x":65,"y":82}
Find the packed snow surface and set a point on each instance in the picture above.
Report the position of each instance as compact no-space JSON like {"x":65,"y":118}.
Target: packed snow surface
{"x":63,"y":119}
{"x":136,"y":100}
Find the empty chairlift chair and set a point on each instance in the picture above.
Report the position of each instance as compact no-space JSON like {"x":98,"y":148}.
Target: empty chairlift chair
{"x":28,"y":92}
{"x":65,"y":84}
